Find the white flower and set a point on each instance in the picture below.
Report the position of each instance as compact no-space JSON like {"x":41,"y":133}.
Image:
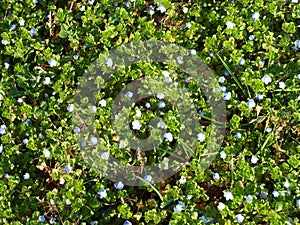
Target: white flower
{"x":179,"y":207}
{"x":68,"y":202}
{"x":109,"y":62}
{"x":228,"y":195}
{"x":129,"y":94}
{"x":249,"y":198}
{"x":268,"y":130}
{"x":188,"y":25}
{"x":102,"y":193}
{"x":75,"y":57}
{"x":20,"y":100}
{"x":136,"y":125}
{"x":151,"y":10}
{"x":227,"y":96}
{"x":102,"y":102}
{"x":185,"y":9}
{"x":193,"y":52}
{"x":259,"y":97}
{"x":104,"y":155}
{"x":180,"y":59}
{"x":122,"y":144}
{"x":222,"y":155}
{"x":70,"y":107}
{"x":52,"y":62}
{"x":1,"y":148}
{"x":165,"y":73}
{"x":161,"y":124}
{"x":238,"y":135}
{"x":61,"y":181}
{"x":161,"y":104}
{"x":251,"y":103}
{"x":160,"y":95}
{"x":168,"y":136}
{"x":91,"y":2}
{"x":47,"y":80}
{"x":298,"y":202}
{"x":229,"y":25}
{"x":286,"y":184}
{"x":239,"y":218}
{"x":254,"y":159}
{"x":294,"y":1}
{"x":94,"y":108}
{"x":25,"y":141}
{"x":4,"y":42}
{"x":182,"y":180}
{"x":221,"y":206}
{"x":21,"y":22}
{"x":94,"y":141}
{"x":3,"y":129}
{"x":222,"y":79}
{"x":216,"y":176}
{"x":119,"y":185}
{"x":46,"y":153}
{"x":82,"y":8}
{"x":52,"y":202}
{"x":35,"y":1}
{"x":255,"y":16}
{"x":282,"y":85}
{"x":201,"y":137}
{"x":76,"y":130}
{"x":275,"y":194}
{"x":148,"y":178}
{"x":26,"y":176}
{"x":161,"y":8}
{"x":147,"y":105}
{"x":6,"y":65}
{"x":266,"y":79}
{"x":298,"y":76}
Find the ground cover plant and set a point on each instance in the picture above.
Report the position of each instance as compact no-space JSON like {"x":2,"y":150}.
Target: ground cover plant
{"x":252,"y":46}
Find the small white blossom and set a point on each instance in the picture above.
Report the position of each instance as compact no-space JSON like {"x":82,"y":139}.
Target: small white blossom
{"x":47,"y":80}
{"x":254,"y":159}
{"x":275,"y":194}
{"x":193,"y":52}
{"x":222,"y":79}
{"x":4,"y":42}
{"x":168,"y":136}
{"x":161,"y":8}
{"x":216,"y":176}
{"x":251,"y":103}
{"x":227,"y":96}
{"x":46,"y":153}
{"x":68,"y":202}
{"x":223,"y":155}
{"x":249,"y":198}
{"x":148,"y":178}
{"x":228,"y":195}
{"x":109,"y":62}
{"x":286,"y":184}
{"x":282,"y":85}
{"x":52,"y":62}
{"x":229,"y":25}
{"x":102,"y":193}
{"x":61,"y":181}
{"x":201,"y":137}
{"x":26,"y":176}
{"x":161,"y":104}
{"x":104,"y":155}
{"x":266,"y":79}
{"x":122,"y":144}
{"x":70,"y":107}
{"x":185,"y":9}
{"x":102,"y":102}
{"x":221,"y":206}
{"x":239,"y":218}
{"x":255,"y":16}
{"x":94,"y":141}
{"x":136,"y":125}
{"x":182,"y":180}
{"x":129,"y":94}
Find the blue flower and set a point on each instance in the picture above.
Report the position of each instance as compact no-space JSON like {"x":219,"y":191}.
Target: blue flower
{"x":151,"y":10}
{"x":242,"y":61}
{"x":161,"y":104}
{"x":32,"y":32}
{"x":179,"y":207}
{"x":238,"y":135}
{"x":76,"y":130}
{"x":249,"y":198}
{"x":25,"y":141}
{"x":227,"y":96}
{"x":13,"y":26}
{"x":148,"y":178}
{"x":226,"y":73}
{"x":127,"y":223}
{"x":3,"y":129}
{"x":261,"y":62}
{"x":263,"y":195}
{"x":91,"y":2}
{"x":75,"y":57}
{"x":297,"y":43}
{"x":161,"y":8}
{"x":52,"y":220}
{"x":68,"y":168}
{"x":228,"y":195}
{"x":251,"y":37}
{"x":119,"y":185}
{"x":42,"y":219}
{"x":26,"y":176}
{"x":35,"y":1}
{"x":239,"y":218}
{"x":251,"y":103}
{"x":147,"y":105}
{"x":211,"y":54}
{"x":259,"y":97}
{"x":102,"y":193}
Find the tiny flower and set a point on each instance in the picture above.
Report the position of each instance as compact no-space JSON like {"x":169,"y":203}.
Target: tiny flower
{"x":91,"y":2}
{"x":193,"y":52}
{"x":70,"y":107}
{"x":221,"y":79}
{"x":127,"y":223}
{"x":216,"y":176}
{"x":2,"y":129}
{"x":222,"y":155}
{"x":102,"y":102}
{"x":229,"y":25}
{"x":13,"y":26}
{"x":26,"y":176}
{"x":61,"y":181}
{"x":294,"y":1}
{"x":122,"y":144}
{"x":238,"y":135}
{"x":185,"y":9}
{"x":102,"y":193}
{"x":281,"y":85}
{"x":298,"y":76}
{"x":82,"y":8}
{"x":21,"y":22}
{"x":201,"y":137}
{"x":160,"y":95}
{"x":68,"y":202}
{"x":286,"y":184}
{"x":251,"y":37}
{"x":83,"y":143}
{"x":298,"y":202}
{"x":4,"y":42}
{"x":47,"y":81}
{"x":165,"y":73}
{"x":148,"y":178}
{"x":227,"y":96}
{"x":228,"y":195}
{"x":263,"y":195}
{"x":221,"y":206}
{"x":266,"y":79}
{"x":52,"y":62}
{"x":68,"y":168}
{"x":1,"y":148}
{"x":204,"y":219}
{"x":46,"y":153}
{"x":35,"y":1}
{"x":223,"y":89}
{"x":161,"y":104}
{"x":188,"y":79}
{"x":259,"y":97}
{"x":42,"y":219}
{"x":94,"y":141}
{"x":239,"y":218}
{"x":136,"y":125}
{"x":119,"y":185}
{"x":268,"y":130}
{"x":249,"y":198}
{"x":109,"y":62}
{"x":179,"y":207}
{"x":76,"y":130}
{"x":261,"y":62}
{"x":255,"y":16}
{"x":161,"y":124}
{"x":251,"y":103}
{"x":161,"y":8}
{"x":32,"y":31}
{"x":168,"y":136}
{"x":52,"y":202}
{"x":297,"y":44}
{"x":147,"y":105}
{"x":25,"y":141}
{"x":226,"y":72}
{"x":188,"y":25}
{"x":242,"y":62}
{"x":129,"y":94}
{"x":182,"y":180}
{"x":104,"y":155}
{"x":275,"y":194}
{"x":151,"y":10}
{"x":94,"y":108}
{"x":52,"y":220}
{"x":211,"y":54}
{"x":6,"y":65}
{"x":254,"y":159}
